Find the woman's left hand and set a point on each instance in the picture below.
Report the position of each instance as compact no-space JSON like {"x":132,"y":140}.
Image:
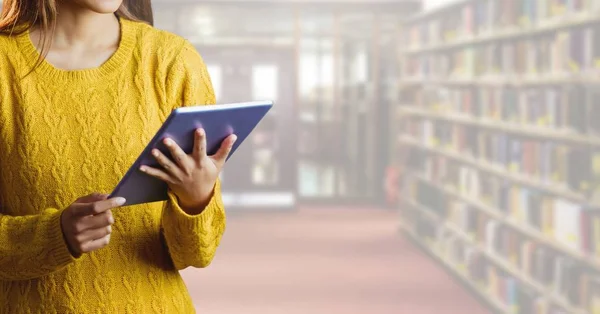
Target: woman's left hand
{"x":191,"y":177}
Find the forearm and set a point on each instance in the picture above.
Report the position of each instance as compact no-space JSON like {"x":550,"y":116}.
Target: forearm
{"x":32,"y":246}
{"x":193,"y":239}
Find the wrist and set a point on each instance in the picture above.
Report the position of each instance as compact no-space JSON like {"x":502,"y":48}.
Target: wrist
{"x":194,"y":206}
{"x":194,"y":201}
{"x":73,"y":252}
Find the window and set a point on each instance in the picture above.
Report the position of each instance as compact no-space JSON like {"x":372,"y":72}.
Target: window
{"x":327,"y":69}
{"x":361,"y":67}
{"x":316,"y":65}
{"x":309,"y":73}
{"x":265,"y":169}
{"x":265,"y":82}
{"x":216,"y":76}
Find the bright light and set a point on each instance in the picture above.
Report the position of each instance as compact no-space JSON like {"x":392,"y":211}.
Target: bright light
{"x":203,"y":20}
{"x":207,"y":31}
{"x":216,"y":76}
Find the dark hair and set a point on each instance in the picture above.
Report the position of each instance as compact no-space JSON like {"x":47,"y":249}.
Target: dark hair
{"x":18,"y":16}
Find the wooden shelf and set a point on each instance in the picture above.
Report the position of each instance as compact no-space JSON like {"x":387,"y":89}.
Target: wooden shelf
{"x":502,"y":262}
{"x":514,"y":33}
{"x":531,"y":131}
{"x":526,"y":230}
{"x":492,"y":303}
{"x":516,"y":80}
{"x":449,"y":36}
{"x":499,"y":171}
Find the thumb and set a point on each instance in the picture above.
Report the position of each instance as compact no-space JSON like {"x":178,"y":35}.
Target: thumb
{"x":91,"y":198}
{"x":223,"y":152}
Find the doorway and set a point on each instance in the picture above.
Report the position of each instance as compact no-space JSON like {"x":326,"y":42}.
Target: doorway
{"x":262,"y":172}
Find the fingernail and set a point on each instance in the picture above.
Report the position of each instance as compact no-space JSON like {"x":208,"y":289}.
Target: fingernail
{"x":120,"y":201}
{"x":168,"y":142}
{"x":143,"y":168}
{"x":155,"y":153}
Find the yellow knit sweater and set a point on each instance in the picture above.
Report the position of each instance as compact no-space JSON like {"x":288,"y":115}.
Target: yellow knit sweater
{"x":65,"y":134}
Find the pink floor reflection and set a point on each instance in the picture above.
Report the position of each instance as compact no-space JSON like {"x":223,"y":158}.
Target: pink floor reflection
{"x":323,"y":261}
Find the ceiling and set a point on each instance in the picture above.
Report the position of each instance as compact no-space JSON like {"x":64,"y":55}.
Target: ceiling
{"x":289,"y":1}
{"x":276,"y":19}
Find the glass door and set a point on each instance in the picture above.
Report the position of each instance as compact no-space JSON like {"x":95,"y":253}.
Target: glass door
{"x":265,"y":165}
{"x":260,"y":174}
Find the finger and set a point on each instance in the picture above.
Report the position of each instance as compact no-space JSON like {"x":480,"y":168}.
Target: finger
{"x":168,"y":165}
{"x":199,"y":144}
{"x":94,"y":197}
{"x":157,"y":173}
{"x":181,"y":158}
{"x":95,"y":244}
{"x":94,"y":234}
{"x":221,"y":156}
{"x":99,"y":207}
{"x":95,"y":222}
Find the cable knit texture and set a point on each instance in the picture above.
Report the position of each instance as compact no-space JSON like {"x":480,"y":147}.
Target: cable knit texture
{"x":65,"y":134}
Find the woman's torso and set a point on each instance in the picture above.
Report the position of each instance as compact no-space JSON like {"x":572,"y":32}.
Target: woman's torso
{"x":71,"y":135}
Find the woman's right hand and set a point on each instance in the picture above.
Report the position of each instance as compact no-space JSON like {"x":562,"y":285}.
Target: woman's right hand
{"x":86,"y":224}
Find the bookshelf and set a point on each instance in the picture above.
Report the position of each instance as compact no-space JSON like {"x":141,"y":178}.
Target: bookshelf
{"x":496,"y":130}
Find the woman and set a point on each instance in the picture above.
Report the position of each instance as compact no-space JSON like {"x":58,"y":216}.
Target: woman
{"x":83,"y":86}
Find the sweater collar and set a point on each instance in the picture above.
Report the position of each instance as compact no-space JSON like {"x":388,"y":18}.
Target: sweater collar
{"x":47,"y":71}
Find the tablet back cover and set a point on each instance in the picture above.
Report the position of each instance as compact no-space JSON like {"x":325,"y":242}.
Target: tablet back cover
{"x":219,"y":121}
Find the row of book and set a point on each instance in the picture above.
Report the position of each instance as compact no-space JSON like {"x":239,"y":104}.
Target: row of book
{"x":565,"y":52}
{"x":570,"y":283}
{"x":501,"y":149}
{"x":567,"y":223}
{"x":571,"y":108}
{"x":572,"y":167}
{"x":487,"y":16}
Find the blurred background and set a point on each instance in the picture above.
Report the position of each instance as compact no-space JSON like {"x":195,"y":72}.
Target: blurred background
{"x":422,"y":156}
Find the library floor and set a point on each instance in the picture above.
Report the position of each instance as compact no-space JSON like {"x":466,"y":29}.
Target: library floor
{"x":323,"y":261}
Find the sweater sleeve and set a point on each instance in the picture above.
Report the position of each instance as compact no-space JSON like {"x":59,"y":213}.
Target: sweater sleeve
{"x":192,"y":239}
{"x":32,"y":246}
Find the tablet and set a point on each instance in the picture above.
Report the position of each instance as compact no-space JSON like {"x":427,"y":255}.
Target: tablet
{"x":219,"y":121}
